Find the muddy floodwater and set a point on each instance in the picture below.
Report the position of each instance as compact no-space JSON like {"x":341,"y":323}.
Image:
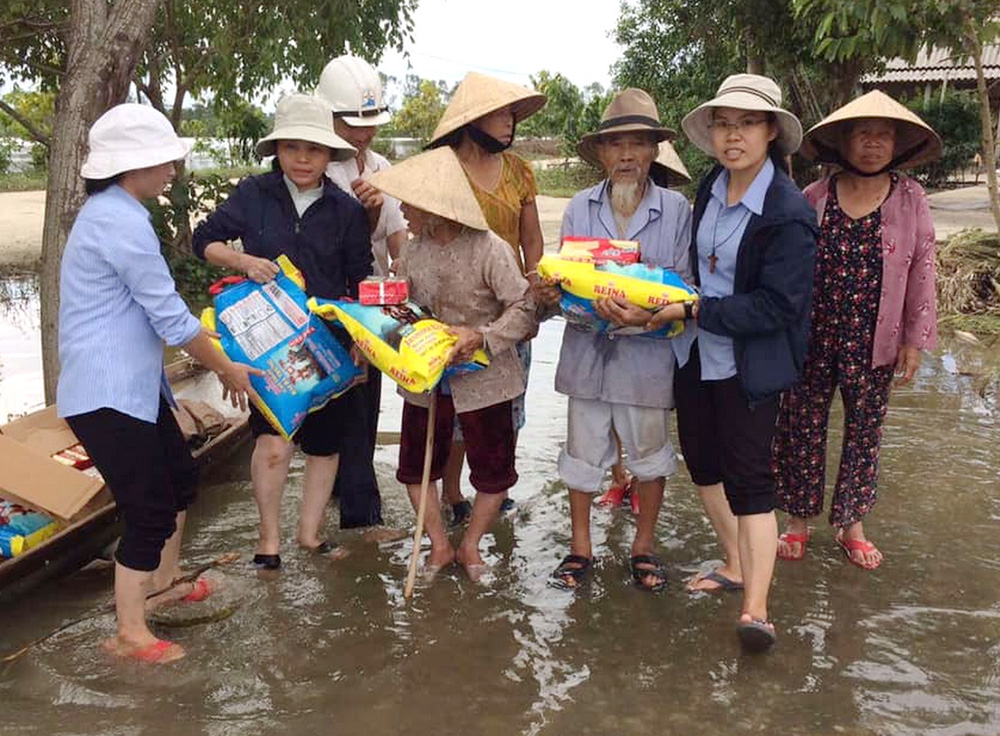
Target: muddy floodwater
{"x":334,"y":648}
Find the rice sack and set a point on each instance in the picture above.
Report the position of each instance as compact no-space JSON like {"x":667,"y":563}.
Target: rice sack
{"x":646,"y":286}
{"x":403,"y":341}
{"x":270,"y":327}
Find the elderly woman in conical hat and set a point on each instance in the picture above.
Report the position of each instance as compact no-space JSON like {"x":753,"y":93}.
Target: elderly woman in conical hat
{"x":479,"y":124}
{"x":469,"y":279}
{"x":752,"y":255}
{"x":118,"y":309}
{"x":874,"y":311}
{"x":297,"y":211}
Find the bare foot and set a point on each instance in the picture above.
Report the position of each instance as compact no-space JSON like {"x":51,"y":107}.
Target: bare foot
{"x":472,"y":561}
{"x":384,"y":535}
{"x":325,"y":548}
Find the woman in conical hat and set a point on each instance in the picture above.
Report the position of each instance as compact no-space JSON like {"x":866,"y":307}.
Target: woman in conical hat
{"x":470,"y":280}
{"x":874,"y":311}
{"x":479,"y":124}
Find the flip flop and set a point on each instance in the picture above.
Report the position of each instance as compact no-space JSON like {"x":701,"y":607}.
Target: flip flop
{"x":793,"y":538}
{"x":329,"y":549}
{"x":722,"y":583}
{"x":159,"y":652}
{"x":203,"y":588}
{"x":863,"y":546}
{"x":460,"y":512}
{"x":756,"y":635}
{"x":655,"y":569}
{"x":573,"y":568}
{"x":615,"y":495}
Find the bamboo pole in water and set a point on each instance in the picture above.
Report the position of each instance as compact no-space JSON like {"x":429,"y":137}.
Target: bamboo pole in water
{"x":411,"y":576}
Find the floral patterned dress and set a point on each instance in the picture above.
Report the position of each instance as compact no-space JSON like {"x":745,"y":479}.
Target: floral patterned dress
{"x":847,"y":288}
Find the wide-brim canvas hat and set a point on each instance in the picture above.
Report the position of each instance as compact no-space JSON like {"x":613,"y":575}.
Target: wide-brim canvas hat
{"x":128,"y":137}
{"x":750,"y":92}
{"x":668,"y":169}
{"x":478,"y":95}
{"x":916,"y":142}
{"x":433,"y":181}
{"x":301,"y":117}
{"x":632,"y":110}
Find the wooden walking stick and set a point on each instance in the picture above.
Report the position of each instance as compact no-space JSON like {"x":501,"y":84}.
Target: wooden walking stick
{"x":411,"y":576}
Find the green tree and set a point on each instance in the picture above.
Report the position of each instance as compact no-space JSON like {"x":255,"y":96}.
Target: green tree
{"x":888,"y":28}
{"x":35,"y":113}
{"x":561,"y":113}
{"x":420,"y":112}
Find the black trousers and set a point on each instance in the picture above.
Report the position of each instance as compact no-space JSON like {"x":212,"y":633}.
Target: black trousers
{"x":150,"y":473}
{"x":356,"y":487}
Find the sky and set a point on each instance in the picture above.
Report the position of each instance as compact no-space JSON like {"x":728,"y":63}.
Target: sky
{"x":510,"y":39}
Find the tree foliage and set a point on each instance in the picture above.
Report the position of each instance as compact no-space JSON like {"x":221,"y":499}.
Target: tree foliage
{"x":420,"y":112}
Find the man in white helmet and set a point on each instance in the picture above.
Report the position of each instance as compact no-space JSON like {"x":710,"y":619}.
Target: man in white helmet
{"x":353,"y":91}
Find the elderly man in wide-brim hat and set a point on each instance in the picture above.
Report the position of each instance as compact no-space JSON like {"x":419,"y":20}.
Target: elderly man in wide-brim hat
{"x":621,"y":385}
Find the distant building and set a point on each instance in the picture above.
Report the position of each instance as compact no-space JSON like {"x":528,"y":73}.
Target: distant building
{"x":934,"y":71}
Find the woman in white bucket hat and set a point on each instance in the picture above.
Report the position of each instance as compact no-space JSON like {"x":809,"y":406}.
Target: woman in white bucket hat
{"x":116,"y":292}
{"x":295,"y":210}
{"x":352,"y":91}
{"x":752,"y":253}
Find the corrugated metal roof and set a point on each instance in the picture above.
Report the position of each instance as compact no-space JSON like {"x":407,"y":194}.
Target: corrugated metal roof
{"x":936,"y":65}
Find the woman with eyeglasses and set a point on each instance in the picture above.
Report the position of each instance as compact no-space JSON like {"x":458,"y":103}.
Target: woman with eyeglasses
{"x":874,"y":311}
{"x":752,"y":255}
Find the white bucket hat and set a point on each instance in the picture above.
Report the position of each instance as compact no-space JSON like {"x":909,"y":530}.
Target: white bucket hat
{"x":129,"y":137}
{"x":301,"y":117}
{"x":744,"y":92}
{"x":352,"y":90}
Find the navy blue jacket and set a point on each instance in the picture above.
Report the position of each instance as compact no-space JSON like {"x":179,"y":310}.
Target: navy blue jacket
{"x":330,"y":243}
{"x":768,"y":313}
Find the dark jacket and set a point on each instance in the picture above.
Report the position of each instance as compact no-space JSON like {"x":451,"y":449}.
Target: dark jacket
{"x":330,"y":243}
{"x":768,"y":313}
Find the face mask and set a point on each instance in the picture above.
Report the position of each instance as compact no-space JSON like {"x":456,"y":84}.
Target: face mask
{"x":485,"y":141}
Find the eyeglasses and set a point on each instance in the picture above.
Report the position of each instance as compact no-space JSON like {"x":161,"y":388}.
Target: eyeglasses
{"x":743,"y":125}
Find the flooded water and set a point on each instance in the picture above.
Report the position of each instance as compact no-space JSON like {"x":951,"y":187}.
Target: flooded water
{"x":334,"y":648}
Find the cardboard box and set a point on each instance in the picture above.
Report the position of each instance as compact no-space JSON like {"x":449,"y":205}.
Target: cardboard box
{"x":29,"y":475}
{"x":383,"y":291}
{"x":599,"y":250}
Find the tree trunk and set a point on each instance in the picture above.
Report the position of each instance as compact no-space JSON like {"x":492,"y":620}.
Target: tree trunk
{"x":103,"y":46}
{"x":985,"y":115}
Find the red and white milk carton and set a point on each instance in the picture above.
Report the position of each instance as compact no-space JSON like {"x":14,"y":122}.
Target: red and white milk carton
{"x":383,"y":290}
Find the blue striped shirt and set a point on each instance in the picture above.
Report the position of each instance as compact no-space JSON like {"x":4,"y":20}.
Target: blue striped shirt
{"x":117,"y":307}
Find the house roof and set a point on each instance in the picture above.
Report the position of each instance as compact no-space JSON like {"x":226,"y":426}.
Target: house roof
{"x":937,"y":65}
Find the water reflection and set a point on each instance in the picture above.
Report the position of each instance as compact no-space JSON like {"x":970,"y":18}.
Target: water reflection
{"x":911,"y":648}
{"x":21,"y":387}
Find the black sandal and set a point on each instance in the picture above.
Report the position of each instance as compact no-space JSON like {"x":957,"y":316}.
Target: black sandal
{"x":573,"y":568}
{"x":266,"y":562}
{"x":654,"y":568}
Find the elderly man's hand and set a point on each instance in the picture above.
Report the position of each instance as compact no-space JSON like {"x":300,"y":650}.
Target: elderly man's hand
{"x":544,"y":292}
{"x":622,"y":313}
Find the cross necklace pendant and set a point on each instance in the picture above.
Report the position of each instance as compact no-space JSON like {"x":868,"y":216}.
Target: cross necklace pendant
{"x":716,"y":243}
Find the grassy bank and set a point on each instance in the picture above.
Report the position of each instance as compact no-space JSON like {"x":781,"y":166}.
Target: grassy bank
{"x":26,"y":181}
{"x":968,"y":282}
{"x":566,"y":179}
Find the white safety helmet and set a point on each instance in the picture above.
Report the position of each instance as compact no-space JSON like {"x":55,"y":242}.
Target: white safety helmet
{"x":353,"y":90}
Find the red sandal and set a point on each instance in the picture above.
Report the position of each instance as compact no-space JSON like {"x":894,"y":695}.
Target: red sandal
{"x":793,"y":538}
{"x":850,"y":546}
{"x":202,"y":589}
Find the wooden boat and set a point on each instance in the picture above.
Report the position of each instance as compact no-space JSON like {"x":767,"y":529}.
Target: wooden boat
{"x":95,"y":527}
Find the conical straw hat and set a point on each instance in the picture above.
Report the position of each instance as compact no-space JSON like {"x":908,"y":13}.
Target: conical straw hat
{"x":916,"y":141}
{"x":668,"y":170}
{"x":479,"y":95}
{"x":433,"y":181}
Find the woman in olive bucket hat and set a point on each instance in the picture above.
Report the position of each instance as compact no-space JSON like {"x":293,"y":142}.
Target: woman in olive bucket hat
{"x":874,"y":311}
{"x":479,"y":124}
{"x":752,"y":255}
{"x":297,"y":211}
